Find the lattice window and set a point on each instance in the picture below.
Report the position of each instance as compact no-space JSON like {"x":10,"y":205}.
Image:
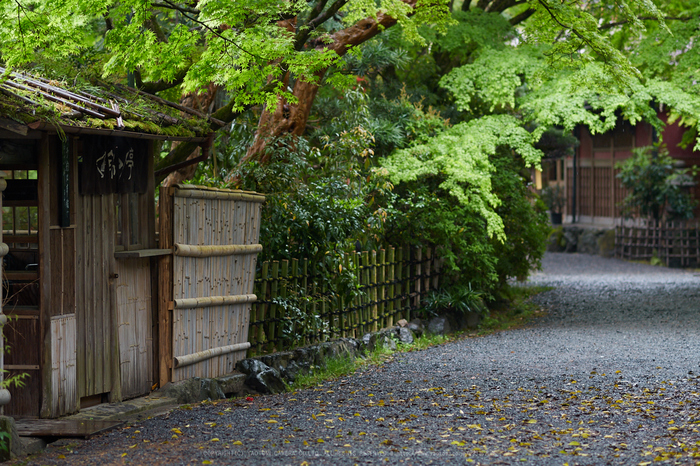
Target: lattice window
{"x":585,"y":187}
{"x":20,"y":225}
{"x":602,"y":195}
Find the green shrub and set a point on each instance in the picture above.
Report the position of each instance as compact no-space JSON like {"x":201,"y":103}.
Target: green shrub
{"x":657,"y":188}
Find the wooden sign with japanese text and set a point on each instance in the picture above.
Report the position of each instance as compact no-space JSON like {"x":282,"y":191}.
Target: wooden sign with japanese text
{"x":113,"y":165}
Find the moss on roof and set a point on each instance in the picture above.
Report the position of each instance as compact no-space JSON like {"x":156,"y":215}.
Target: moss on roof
{"x":139,"y":112}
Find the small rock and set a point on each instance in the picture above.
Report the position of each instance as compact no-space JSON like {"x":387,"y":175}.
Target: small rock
{"x":416,"y":326}
{"x":439,"y":326}
{"x":402,"y":323}
{"x":266,"y":381}
{"x":291,"y":371}
{"x":381,"y":340}
{"x":251,"y":365}
{"x":405,"y":336}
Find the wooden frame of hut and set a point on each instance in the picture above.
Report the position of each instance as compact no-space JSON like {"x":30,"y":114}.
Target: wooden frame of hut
{"x":81,"y":260}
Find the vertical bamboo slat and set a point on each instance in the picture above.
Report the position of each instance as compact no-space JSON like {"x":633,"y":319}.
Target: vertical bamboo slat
{"x":381,"y":292}
{"x":391,"y":287}
{"x":306,"y":293}
{"x":374,"y":315}
{"x":263,"y":307}
{"x":357,"y":312}
{"x":399,"y":287}
{"x":418,"y":278}
{"x":272,"y":326}
{"x":427,"y":270}
{"x":366,"y":298}
{"x":281,"y":311}
{"x":294,"y":285}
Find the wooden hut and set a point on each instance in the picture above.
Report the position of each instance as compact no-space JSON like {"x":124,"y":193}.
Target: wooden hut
{"x":80,"y":268}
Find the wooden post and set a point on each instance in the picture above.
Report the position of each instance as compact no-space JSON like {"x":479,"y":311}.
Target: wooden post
{"x":165,"y":285}
{"x":44,"y":198}
{"x":4,"y":393}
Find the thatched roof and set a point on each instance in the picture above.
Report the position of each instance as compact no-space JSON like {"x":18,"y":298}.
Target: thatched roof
{"x":30,"y":102}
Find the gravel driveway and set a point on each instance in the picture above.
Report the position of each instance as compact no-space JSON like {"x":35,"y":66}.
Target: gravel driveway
{"x":609,"y":375}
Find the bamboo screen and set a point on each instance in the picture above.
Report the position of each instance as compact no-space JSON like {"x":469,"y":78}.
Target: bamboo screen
{"x":676,"y":244}
{"x":215,"y":236}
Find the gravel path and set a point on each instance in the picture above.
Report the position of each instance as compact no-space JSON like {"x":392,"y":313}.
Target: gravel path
{"x":609,"y":375}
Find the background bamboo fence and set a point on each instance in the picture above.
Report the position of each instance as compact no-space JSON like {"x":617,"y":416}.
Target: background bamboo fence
{"x":296,"y":307}
{"x":676,"y":244}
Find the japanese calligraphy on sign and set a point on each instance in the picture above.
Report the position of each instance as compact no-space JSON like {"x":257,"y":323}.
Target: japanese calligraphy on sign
{"x":114,"y":165}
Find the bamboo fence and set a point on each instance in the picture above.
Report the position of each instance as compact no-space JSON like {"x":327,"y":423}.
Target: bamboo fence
{"x":392,"y":284}
{"x":676,"y":243}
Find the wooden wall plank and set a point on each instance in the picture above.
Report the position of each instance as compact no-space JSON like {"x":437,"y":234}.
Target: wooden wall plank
{"x":56,"y":267}
{"x":68,"y":272}
{"x":44,"y":198}
{"x":165,"y":285}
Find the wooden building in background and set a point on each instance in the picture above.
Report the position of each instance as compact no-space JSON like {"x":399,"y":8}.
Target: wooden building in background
{"x":80,"y":273}
{"x":589,"y":178}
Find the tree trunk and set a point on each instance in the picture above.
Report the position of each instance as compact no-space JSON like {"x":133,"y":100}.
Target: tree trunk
{"x":203,"y":102}
{"x":291,"y":119}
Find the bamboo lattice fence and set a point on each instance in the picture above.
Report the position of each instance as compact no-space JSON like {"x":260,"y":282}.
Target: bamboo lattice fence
{"x":676,"y":244}
{"x":294,"y":309}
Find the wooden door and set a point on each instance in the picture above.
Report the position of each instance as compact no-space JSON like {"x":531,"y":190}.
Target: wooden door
{"x":96,"y":270}
{"x":133,"y":289}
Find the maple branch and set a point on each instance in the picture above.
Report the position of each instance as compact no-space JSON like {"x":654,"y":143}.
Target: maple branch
{"x":173,"y":6}
{"x":644,"y":18}
{"x":156,"y":86}
{"x":304,"y":31}
{"x":522,"y":16}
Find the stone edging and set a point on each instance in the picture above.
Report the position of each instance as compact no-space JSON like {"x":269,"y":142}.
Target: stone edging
{"x":269,"y":373}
